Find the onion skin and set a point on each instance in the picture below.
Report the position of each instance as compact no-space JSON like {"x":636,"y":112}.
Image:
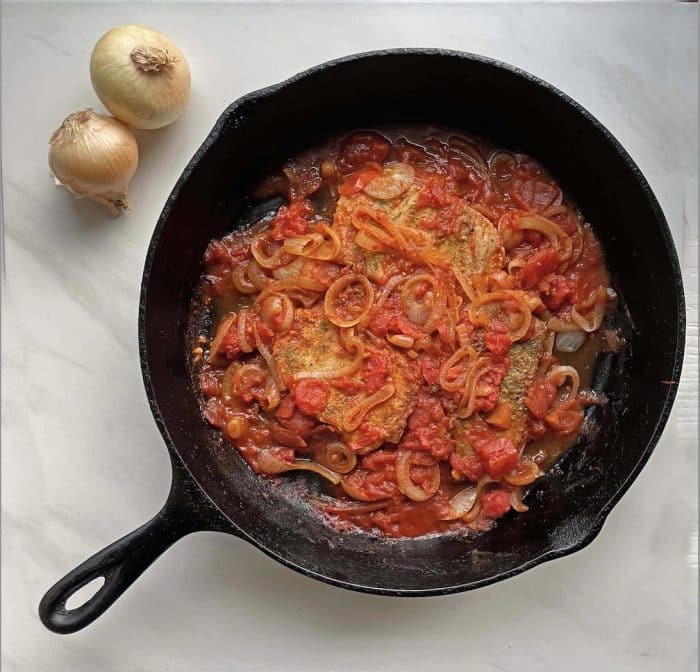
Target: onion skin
{"x":95,"y":156}
{"x":140,"y":76}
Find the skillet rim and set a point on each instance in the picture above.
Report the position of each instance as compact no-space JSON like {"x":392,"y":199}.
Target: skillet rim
{"x":665,"y":410}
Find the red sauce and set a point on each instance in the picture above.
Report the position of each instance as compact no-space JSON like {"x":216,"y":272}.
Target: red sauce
{"x":274,"y":419}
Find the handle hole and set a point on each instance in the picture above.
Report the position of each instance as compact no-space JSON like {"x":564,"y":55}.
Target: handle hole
{"x":85,"y":594}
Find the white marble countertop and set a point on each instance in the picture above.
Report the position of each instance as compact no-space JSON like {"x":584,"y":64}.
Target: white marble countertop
{"x":76,"y":476}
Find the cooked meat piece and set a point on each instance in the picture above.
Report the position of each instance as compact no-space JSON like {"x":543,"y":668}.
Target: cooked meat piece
{"x":475,"y":248}
{"x":524,"y":361}
{"x":312,"y":344}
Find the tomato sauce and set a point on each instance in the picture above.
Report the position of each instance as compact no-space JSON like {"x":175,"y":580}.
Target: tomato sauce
{"x":379,"y":478}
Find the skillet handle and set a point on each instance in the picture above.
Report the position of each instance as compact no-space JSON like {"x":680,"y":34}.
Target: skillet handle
{"x":122,"y":562}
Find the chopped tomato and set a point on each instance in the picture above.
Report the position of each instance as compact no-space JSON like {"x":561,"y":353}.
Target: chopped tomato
{"x":378,"y":459}
{"x":430,"y":369}
{"x":376,"y":369}
{"x":471,"y":466}
{"x":565,"y":420}
{"x":311,"y":396}
{"x":540,"y":397}
{"x":356,"y":182}
{"x":230,"y":344}
{"x":366,"y":436}
{"x":498,"y":342}
{"x":428,"y":428}
{"x":361,"y":148}
{"x":539,"y":265}
{"x":556,"y":291}
{"x":291,"y":220}
{"x":498,"y":454}
{"x":380,"y":324}
{"x":229,"y":251}
{"x":285,"y":410}
{"x":533,"y":194}
{"x":432,"y":195}
{"x":495,"y":503}
{"x":299,"y":423}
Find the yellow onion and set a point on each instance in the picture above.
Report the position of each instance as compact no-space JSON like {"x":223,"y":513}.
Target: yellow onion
{"x":94,"y":156}
{"x":140,"y":76}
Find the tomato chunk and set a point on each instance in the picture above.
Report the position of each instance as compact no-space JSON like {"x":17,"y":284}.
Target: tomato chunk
{"x":495,"y":503}
{"x":540,"y":397}
{"x":361,"y":148}
{"x":498,"y":343}
{"x":376,"y":369}
{"x":311,"y":396}
{"x":291,"y":220}
{"x":539,"y":265}
{"x":533,"y":194}
{"x":498,"y":454}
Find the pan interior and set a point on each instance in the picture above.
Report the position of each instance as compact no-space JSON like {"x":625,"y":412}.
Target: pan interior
{"x":255,"y":136}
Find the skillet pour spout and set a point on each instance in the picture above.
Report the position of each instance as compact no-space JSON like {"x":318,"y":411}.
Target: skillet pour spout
{"x":213,"y":488}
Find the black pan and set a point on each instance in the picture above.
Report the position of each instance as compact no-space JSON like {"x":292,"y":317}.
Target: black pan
{"x":213,"y":489}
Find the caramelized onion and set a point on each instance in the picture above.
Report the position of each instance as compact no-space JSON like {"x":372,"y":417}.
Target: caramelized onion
{"x":515,"y":497}
{"x":255,"y":274}
{"x":269,"y":464}
{"x":525,"y":473}
{"x":266,"y":258}
{"x":278,"y":312}
{"x":518,"y":297}
{"x":558,"y":239}
{"x":356,"y":414}
{"x":338,"y":506}
{"x":427,"y":310}
{"x":557,"y":375}
{"x":368,"y":242}
{"x":394,"y":180}
{"x":322,"y":243}
{"x":414,"y":492}
{"x":270,"y":361}
{"x":455,"y":382}
{"x":466,"y":284}
{"x":271,"y":395}
{"x":401,"y":341}
{"x":242,"y":331}
{"x":330,"y":302}
{"x":471,"y":391}
{"x":340,"y":458}
{"x":595,"y":306}
{"x":462,"y":503}
{"x":390,"y":286}
{"x":291,"y":285}
{"x":292,"y":270}
{"x":342,"y":371}
{"x":240,"y":280}
{"x":221,"y":331}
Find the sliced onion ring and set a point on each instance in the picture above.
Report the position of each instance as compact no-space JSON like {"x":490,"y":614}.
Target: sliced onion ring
{"x":356,"y":414}
{"x":269,"y":464}
{"x":333,"y":294}
{"x":221,"y":331}
{"x":340,"y":458}
{"x":414,"y":492}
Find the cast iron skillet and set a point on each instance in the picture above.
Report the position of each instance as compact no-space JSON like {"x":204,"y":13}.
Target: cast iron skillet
{"x":213,"y":489}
